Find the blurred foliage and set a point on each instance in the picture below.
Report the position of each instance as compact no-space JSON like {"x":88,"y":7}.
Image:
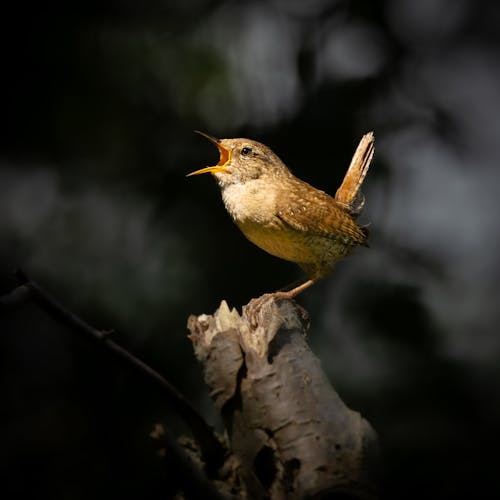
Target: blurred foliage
{"x":99,"y":101}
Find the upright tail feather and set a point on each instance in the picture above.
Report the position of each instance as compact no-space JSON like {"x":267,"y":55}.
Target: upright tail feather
{"x":349,"y":193}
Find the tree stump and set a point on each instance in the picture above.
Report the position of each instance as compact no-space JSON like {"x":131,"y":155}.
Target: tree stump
{"x":290,"y":434}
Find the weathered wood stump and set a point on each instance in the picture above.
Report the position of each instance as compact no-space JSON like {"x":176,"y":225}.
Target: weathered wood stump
{"x":290,"y":434}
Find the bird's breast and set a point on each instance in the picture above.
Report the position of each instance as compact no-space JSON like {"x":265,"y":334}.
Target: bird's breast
{"x":252,"y":207}
{"x":250,"y":202}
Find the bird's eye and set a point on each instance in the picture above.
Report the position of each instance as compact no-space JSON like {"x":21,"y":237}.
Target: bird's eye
{"x":246,"y":151}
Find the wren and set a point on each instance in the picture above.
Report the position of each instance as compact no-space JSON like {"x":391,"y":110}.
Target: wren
{"x":286,"y":216}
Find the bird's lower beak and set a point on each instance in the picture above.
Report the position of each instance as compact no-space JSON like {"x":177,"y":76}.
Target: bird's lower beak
{"x":225,"y":157}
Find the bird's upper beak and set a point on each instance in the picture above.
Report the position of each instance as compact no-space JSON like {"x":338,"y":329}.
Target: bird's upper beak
{"x":224,"y":160}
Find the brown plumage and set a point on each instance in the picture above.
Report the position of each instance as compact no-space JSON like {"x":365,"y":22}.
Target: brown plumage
{"x":282,"y":214}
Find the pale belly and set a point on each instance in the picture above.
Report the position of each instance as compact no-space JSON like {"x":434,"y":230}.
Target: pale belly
{"x":286,"y":243}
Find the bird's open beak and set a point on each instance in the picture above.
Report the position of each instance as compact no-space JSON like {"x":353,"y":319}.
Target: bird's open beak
{"x":225,"y":157}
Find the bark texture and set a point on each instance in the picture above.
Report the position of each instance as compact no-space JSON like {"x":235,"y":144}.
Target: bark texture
{"x":292,"y":435}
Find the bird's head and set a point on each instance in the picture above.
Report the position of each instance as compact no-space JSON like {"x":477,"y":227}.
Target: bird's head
{"x":241,"y":160}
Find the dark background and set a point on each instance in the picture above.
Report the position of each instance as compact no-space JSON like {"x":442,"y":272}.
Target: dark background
{"x":98,"y":102}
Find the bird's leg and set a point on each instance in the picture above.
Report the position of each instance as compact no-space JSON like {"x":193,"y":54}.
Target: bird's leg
{"x":291,"y":285}
{"x":254,"y":306}
{"x":290,"y":294}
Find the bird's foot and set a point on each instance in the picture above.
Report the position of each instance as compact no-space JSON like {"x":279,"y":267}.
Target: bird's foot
{"x":253,"y":310}
{"x":256,"y":307}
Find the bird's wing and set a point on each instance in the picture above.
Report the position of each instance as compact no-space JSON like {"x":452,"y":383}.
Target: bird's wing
{"x":312,"y":211}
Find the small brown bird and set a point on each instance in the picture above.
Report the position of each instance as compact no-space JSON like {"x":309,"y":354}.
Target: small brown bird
{"x":284,"y":215}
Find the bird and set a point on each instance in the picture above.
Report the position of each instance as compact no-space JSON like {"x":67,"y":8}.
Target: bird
{"x":284,"y":215}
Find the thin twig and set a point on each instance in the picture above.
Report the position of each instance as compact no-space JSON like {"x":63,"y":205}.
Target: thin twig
{"x":212,"y":450}
{"x":15,"y":297}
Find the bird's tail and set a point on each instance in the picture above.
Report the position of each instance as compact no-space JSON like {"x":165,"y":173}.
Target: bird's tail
{"x":349,"y":193}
